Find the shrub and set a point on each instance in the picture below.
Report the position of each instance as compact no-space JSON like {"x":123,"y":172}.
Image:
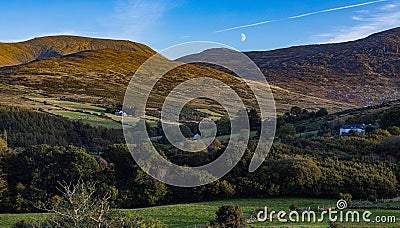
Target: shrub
{"x":347,"y":197}
{"x":394,"y":130}
{"x":230,"y":216}
{"x":294,"y":207}
{"x":321,"y":112}
{"x":372,"y":198}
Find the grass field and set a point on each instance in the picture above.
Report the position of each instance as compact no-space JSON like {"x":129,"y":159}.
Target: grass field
{"x":85,"y":112}
{"x":198,"y":214}
{"x":90,"y":113}
{"x":227,"y":137}
{"x":91,"y":119}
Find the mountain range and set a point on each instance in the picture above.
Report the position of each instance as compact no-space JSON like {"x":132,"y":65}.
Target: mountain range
{"x":334,"y":76}
{"x":362,"y":72}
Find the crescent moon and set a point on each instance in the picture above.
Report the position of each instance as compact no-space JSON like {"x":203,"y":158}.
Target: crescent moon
{"x":243,"y":37}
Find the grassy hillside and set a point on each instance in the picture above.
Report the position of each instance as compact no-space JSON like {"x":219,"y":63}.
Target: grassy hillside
{"x":101,"y":76}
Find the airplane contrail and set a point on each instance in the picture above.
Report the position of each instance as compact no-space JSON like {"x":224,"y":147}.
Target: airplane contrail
{"x":303,"y":15}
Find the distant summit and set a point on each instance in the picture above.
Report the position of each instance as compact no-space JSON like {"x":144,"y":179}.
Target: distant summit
{"x":53,"y":46}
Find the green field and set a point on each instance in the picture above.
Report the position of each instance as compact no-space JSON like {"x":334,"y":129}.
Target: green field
{"x":85,"y":112}
{"x":91,"y":119}
{"x":69,"y":104}
{"x":227,"y":137}
{"x":91,"y":114}
{"x":213,"y":115}
{"x":198,"y":214}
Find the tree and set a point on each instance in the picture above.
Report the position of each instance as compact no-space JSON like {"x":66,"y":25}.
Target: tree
{"x":26,"y":128}
{"x":81,"y":206}
{"x":295,"y":174}
{"x":286,"y":130}
{"x":346,"y":197}
{"x":4,"y":149}
{"x":394,"y":130}
{"x":135,"y":187}
{"x":112,"y":108}
{"x":186,"y":132}
{"x":389,"y":145}
{"x":230,"y":216}
{"x":380,"y":134}
{"x":32,"y":174}
{"x":369,"y":129}
{"x":390,"y":118}
{"x":4,"y":135}
{"x":295,"y":111}
{"x":321,"y":112}
{"x":216,"y":189}
{"x":3,"y":187}
{"x":223,"y":125}
{"x":254,"y":120}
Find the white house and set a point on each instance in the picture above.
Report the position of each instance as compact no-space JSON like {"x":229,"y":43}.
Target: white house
{"x":352,"y":128}
{"x":120,"y":113}
{"x":196,"y":137}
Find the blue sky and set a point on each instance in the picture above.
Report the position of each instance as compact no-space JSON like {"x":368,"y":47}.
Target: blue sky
{"x":162,"y":23}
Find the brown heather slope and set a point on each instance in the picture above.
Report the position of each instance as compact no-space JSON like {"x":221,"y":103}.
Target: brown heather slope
{"x":362,"y":72}
{"x":52,"y":46}
{"x":101,"y":76}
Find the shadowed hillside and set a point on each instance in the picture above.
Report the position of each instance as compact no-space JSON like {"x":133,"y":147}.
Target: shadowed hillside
{"x":362,"y":72}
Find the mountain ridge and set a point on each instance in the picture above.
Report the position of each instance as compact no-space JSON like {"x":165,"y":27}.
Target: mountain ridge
{"x":54,"y":46}
{"x":361,"y":72}
{"x":102,"y":76}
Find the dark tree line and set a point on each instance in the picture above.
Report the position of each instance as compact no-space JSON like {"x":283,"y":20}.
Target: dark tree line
{"x":315,"y":167}
{"x":25,"y":128}
{"x":32,"y":175}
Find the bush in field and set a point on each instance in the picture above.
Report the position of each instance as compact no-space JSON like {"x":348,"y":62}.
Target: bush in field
{"x":229,"y":216}
{"x":294,"y":207}
{"x":347,"y":197}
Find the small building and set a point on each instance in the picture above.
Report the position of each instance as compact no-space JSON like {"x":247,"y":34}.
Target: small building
{"x":120,"y":113}
{"x":196,"y":137}
{"x":356,"y":128}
